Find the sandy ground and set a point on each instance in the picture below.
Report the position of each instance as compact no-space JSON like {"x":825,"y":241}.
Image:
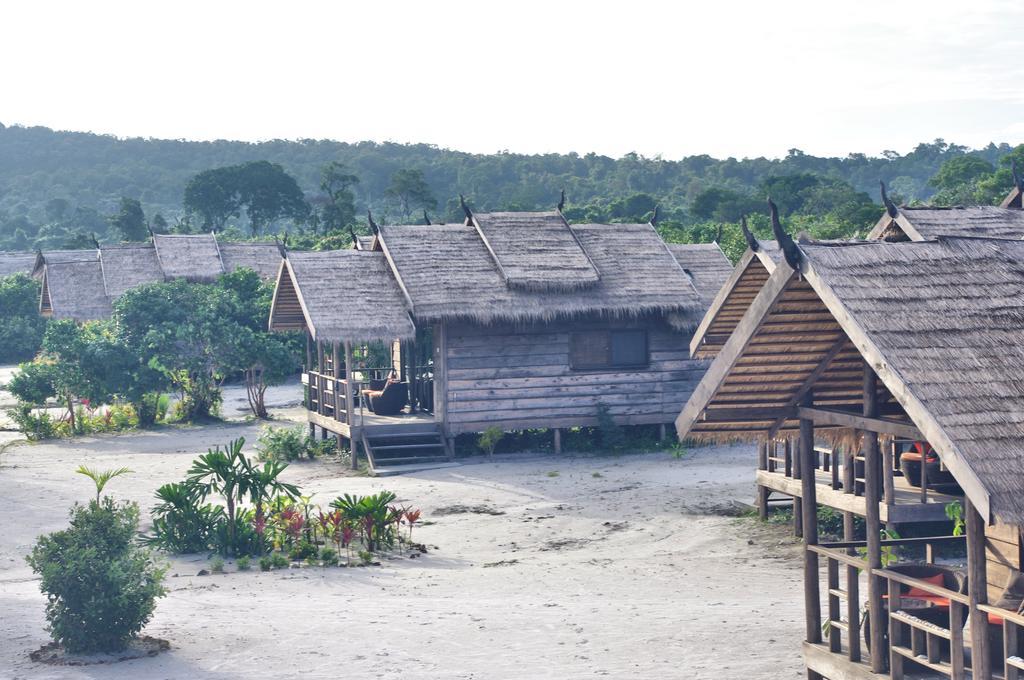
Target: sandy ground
{"x":596,"y":567}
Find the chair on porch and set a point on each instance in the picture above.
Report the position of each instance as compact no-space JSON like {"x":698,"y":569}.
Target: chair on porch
{"x":390,"y":401}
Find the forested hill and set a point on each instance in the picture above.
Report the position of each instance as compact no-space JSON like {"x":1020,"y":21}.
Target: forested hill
{"x":92,"y":173}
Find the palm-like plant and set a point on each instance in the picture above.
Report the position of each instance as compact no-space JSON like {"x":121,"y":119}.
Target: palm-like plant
{"x":262,"y":485}
{"x":101,"y":477}
{"x":226,"y":473}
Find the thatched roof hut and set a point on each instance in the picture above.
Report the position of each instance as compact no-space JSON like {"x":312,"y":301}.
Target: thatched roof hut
{"x":16,"y":263}
{"x":74,"y":290}
{"x":70,"y":293}
{"x":367,"y":306}
{"x":942,"y":325}
{"x":447,"y":272}
{"x":706,"y":265}
{"x":928,"y":223}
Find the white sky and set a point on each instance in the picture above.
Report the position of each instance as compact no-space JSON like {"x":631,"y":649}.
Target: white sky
{"x":671,"y":78}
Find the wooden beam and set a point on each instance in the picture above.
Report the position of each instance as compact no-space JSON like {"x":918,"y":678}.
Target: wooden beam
{"x":720,"y":298}
{"x":745,"y":415}
{"x":808,"y":383}
{"x":822,"y":416}
{"x":733,"y":349}
{"x":932,"y":432}
{"x":353,"y":451}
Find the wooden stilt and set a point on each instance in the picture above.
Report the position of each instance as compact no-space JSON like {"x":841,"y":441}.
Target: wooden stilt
{"x":762,"y":502}
{"x":872,"y":493}
{"x":353,"y":448}
{"x":977,"y":589}
{"x":798,"y":517}
{"x":662,"y":432}
{"x":557,"y":431}
{"x":812,"y":596}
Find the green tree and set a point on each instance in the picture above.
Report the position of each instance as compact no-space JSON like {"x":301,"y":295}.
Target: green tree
{"x":961,"y":170}
{"x":130,"y":221}
{"x":213,"y":196}
{"x":411,"y":190}
{"x":340,"y":208}
{"x":268,"y":193}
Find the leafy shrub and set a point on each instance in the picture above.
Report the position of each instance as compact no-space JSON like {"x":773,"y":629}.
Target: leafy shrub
{"x":35,"y":426}
{"x":243,"y":563}
{"x":490,"y":438}
{"x":280,"y":561}
{"x":244,"y":540}
{"x":182,"y":523}
{"x":302,"y":551}
{"x":266,"y":562}
{"x":281,"y":443}
{"x":217,"y":565}
{"x":101,"y":587}
{"x":328,"y":557}
{"x":20,"y":338}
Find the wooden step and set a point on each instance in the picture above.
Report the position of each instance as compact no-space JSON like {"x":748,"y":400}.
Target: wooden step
{"x":432,"y":430}
{"x":382,"y":462}
{"x":400,"y":447}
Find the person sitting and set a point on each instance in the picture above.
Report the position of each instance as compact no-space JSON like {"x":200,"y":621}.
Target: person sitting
{"x":372,"y":394}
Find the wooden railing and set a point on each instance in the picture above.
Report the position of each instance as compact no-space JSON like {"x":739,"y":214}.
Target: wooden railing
{"x":1013,"y":623}
{"x":910,"y":637}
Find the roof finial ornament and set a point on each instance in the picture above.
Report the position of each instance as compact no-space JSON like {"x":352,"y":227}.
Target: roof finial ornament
{"x":95,"y":242}
{"x":561,"y":201}
{"x":1018,"y":181}
{"x":426,"y":218}
{"x":355,"y":239}
{"x":465,"y":208}
{"x":280,"y":247}
{"x":890,"y":207}
{"x":373,"y":225}
{"x":789,"y":247}
{"x":751,"y":240}
{"x":654,"y":217}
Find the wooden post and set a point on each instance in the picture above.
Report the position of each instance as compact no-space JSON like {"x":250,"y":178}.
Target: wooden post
{"x":306,"y":369}
{"x":798,"y":517}
{"x":339,"y":398}
{"x":812,"y":596}
{"x":413,"y":379}
{"x":662,"y":432}
{"x":977,"y":590}
{"x":852,"y":594}
{"x":762,"y":491}
{"x":873,"y":528}
{"x":558,"y":439}
{"x":319,"y":377}
{"x":349,"y":411}
{"x":888,"y":486}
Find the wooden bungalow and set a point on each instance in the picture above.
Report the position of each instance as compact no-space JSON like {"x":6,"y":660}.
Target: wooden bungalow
{"x":82,"y":284}
{"x":514,"y":320}
{"x":866,"y":343}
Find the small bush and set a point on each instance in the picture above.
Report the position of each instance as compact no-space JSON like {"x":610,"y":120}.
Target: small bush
{"x":266,"y":563}
{"x":280,"y":561}
{"x":101,"y":587}
{"x":281,"y":444}
{"x":217,"y":565}
{"x":243,"y":563}
{"x":489,"y":439}
{"x":35,"y":427}
{"x":181,"y":522}
{"x":328,"y":557}
{"x":302,"y":551}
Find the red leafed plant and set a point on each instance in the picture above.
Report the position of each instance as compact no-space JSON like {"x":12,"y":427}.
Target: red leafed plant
{"x":411,"y":517}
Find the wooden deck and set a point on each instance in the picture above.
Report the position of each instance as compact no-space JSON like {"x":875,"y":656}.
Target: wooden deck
{"x":373,"y":424}
{"x":907,"y":505}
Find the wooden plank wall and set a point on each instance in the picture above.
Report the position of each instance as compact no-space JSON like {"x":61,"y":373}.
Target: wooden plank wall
{"x":518,"y":377}
{"x":1002,"y":553}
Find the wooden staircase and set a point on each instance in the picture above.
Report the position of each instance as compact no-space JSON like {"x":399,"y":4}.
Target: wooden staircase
{"x":405,"y":445}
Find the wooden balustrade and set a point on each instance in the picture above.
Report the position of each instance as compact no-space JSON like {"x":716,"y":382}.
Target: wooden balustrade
{"x":1012,"y":624}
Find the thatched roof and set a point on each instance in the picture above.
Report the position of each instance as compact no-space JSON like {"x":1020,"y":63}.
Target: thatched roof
{"x":341,"y":296}
{"x":929,"y":223}
{"x":128,"y":266}
{"x":44,"y":257}
{"x":363,"y":242}
{"x":193,"y":257}
{"x":448,"y":273}
{"x":941,"y":323}
{"x":74,"y":290}
{"x":536,"y":250}
{"x":733,"y":297}
{"x":706,"y":265}
{"x":16,"y":263}
{"x":264,"y":258}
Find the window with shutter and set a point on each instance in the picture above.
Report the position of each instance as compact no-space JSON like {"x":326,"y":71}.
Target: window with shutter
{"x":604,"y":349}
